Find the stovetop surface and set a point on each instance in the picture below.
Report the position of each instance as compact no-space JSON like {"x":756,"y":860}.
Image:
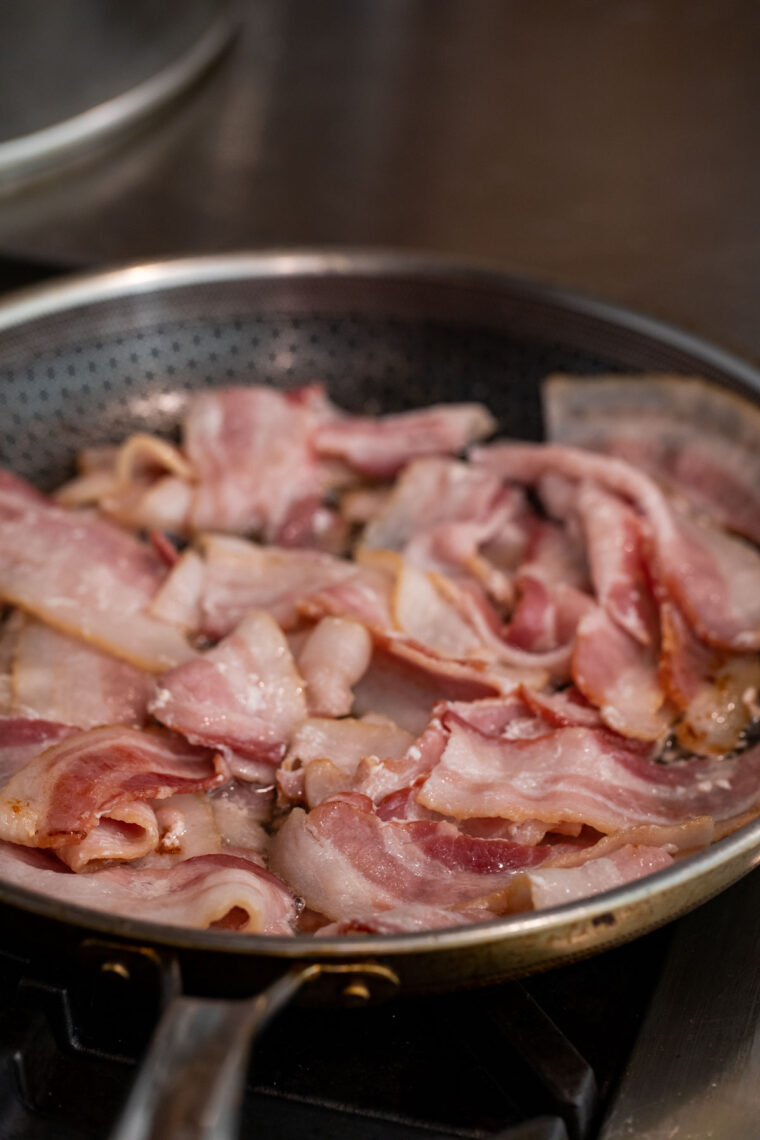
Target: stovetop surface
{"x":534,"y":1059}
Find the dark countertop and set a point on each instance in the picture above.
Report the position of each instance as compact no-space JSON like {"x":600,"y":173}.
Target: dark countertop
{"x":605,"y":145}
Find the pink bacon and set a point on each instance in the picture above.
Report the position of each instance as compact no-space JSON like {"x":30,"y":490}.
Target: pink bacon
{"x":60,"y":796}
{"x":222,"y":891}
{"x":381,"y":445}
{"x":343,"y":860}
{"x":243,"y":696}
{"x":712,"y":577}
{"x":84,"y":576}
{"x":584,"y":775}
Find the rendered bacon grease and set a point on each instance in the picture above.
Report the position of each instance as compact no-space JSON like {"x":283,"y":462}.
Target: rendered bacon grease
{"x":309,"y":672}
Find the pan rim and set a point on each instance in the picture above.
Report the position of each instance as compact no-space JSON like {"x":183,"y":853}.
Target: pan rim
{"x":130,"y":279}
{"x":93,"y":287}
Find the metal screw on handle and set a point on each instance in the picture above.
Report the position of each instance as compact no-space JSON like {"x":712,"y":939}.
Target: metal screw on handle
{"x":190,"y":1085}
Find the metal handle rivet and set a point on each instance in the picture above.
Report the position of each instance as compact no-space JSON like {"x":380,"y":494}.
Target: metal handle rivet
{"x":357,"y":991}
{"x":116,"y":968}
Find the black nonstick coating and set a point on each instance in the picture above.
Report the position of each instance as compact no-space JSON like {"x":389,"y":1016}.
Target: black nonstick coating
{"x":379,"y":343}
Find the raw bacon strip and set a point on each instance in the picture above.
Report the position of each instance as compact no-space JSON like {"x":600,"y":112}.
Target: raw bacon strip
{"x":145,"y":483}
{"x":178,"y":601}
{"x":255,"y":772}
{"x":22,"y":738}
{"x":335,"y":656}
{"x":564,"y":708}
{"x":440,"y":512}
{"x":536,"y":890}
{"x":63,"y":679}
{"x":402,"y":805}
{"x":425,"y":616}
{"x":380,"y":779}
{"x":533,"y":624}
{"x":381,"y":445}
{"x":713,"y":578}
{"x":620,"y":676}
{"x":392,"y":783}
{"x":364,"y":594}
{"x":587,"y":776}
{"x":555,"y":549}
{"x":341,"y":859}
{"x":84,"y":576}
{"x":61,"y":795}
{"x":252,"y":451}
{"x":211,"y":591}
{"x":561,"y":608}
{"x":696,"y":438}
{"x":675,"y":838}
{"x":429,"y":494}
{"x":618,"y":567}
{"x":150,"y":504}
{"x":527,"y":831}
{"x":222,"y":891}
{"x":400,"y":920}
{"x":717,"y":692}
{"x":545,"y":620}
{"x":312,"y":525}
{"x":507,"y":717}
{"x":129,"y":832}
{"x":346,"y":741}
{"x":244,"y":696}
{"x":324,"y":754}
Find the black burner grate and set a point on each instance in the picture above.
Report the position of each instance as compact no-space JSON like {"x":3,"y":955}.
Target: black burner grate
{"x":523,"y":1061}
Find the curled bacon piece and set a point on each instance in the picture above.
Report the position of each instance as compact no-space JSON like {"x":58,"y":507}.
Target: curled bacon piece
{"x":22,"y":738}
{"x":618,"y":564}
{"x":697,"y":439}
{"x":588,"y":776}
{"x":104,"y":776}
{"x":244,"y":696}
{"x":713,"y":577}
{"x":62,"y":678}
{"x":342,"y":859}
{"x":335,"y":656}
{"x":324,"y":754}
{"x":481,"y":679}
{"x":226,"y":892}
{"x":211,"y":589}
{"x":620,"y":676}
{"x":552,"y":886}
{"x":382,"y":445}
{"x":439,"y":514}
{"x":84,"y":576}
{"x":252,"y":452}
{"x":716,"y":692}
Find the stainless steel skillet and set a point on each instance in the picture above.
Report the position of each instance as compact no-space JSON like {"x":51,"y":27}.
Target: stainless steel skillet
{"x":90,"y":359}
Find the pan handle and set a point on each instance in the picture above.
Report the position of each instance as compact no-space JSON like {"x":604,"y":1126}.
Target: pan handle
{"x":190,"y":1084}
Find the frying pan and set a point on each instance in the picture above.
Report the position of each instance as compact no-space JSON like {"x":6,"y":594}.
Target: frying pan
{"x":93,"y":358}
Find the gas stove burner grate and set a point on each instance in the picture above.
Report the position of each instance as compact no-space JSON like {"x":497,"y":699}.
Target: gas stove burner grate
{"x":522,"y":1061}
